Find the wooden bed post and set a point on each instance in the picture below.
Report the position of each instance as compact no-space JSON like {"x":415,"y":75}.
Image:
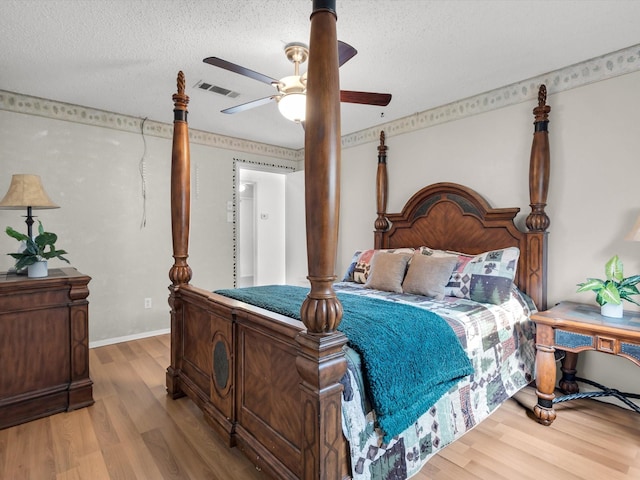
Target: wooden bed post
{"x":320,"y":361}
{"x":180,"y":273}
{"x":382,"y":223}
{"x":538,"y":221}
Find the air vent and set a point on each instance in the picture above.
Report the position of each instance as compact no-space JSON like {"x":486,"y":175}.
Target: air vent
{"x":216,"y":89}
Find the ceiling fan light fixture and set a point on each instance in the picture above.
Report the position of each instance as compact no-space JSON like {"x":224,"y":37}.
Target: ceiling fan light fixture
{"x":291,"y":96}
{"x":293,"y":106}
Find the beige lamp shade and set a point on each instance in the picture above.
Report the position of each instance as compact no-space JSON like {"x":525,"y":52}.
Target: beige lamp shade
{"x":634,"y":234}
{"x":26,"y":191}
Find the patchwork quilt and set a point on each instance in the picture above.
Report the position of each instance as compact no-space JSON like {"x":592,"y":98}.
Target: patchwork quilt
{"x":499,"y":340}
{"x":389,"y":337}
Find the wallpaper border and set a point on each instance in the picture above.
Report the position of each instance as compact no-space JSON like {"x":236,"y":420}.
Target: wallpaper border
{"x":597,"y":69}
{"x":42,"y":107}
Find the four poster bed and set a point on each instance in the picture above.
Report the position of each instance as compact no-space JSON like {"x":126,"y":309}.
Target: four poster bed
{"x":277,"y":371}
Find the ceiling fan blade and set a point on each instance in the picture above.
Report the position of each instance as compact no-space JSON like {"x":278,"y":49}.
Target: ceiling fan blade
{"x":232,"y":67}
{"x":366,"y":98}
{"x":345,"y":53}
{"x":252,"y":104}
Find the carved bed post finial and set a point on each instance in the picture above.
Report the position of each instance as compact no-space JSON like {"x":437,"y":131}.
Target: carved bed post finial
{"x":538,"y":220}
{"x":382,"y":223}
{"x":180,"y":272}
{"x":382,"y":147}
{"x":180,"y":83}
{"x":542,"y":95}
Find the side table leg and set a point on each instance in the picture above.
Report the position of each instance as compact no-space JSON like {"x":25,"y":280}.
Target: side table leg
{"x":545,"y":375}
{"x":568,"y":382}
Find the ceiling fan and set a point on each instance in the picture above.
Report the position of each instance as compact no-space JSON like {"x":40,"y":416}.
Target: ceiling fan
{"x":291,"y":90}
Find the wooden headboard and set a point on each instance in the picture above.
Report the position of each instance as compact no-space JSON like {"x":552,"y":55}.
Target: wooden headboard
{"x":449,"y":216}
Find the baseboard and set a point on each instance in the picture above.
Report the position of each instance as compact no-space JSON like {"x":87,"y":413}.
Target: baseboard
{"x":128,"y":338}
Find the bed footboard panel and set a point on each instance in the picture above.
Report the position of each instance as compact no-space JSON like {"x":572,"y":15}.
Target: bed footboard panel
{"x":203,"y":356}
{"x":196,"y":341}
{"x":238,"y":364}
{"x":269,"y":398}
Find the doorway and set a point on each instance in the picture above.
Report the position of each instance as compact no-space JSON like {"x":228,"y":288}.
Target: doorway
{"x":246,"y":236}
{"x":260,"y":226}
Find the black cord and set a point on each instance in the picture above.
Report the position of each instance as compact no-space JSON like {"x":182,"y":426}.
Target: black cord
{"x":143,"y":179}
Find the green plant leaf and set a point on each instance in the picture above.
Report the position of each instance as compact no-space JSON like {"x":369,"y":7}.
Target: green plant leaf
{"x":23,"y":259}
{"x":628,"y":298}
{"x":46,"y":238}
{"x":630,"y":281}
{"x":613,"y":269}
{"x":54,"y":254}
{"x":628,"y":289}
{"x":21,"y":237}
{"x":610,"y":294}
{"x":30,"y":248}
{"x":591,"y":284}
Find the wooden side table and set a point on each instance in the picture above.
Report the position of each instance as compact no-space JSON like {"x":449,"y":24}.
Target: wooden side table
{"x":44,"y":345}
{"x":575,"y":327}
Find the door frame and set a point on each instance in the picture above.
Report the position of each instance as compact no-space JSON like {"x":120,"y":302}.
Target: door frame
{"x":239,"y":164}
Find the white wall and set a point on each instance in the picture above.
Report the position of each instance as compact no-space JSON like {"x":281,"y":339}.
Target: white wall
{"x":593,"y":197}
{"x":92,"y":173}
{"x":297,"y":269}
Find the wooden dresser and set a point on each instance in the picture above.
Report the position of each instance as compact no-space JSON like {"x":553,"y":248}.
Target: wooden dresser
{"x":44,"y":345}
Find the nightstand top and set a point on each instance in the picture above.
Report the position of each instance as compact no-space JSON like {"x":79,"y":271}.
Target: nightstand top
{"x":583,"y":316}
{"x":54,"y":274}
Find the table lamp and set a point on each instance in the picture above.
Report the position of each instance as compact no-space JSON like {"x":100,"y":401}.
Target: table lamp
{"x":26,"y":191}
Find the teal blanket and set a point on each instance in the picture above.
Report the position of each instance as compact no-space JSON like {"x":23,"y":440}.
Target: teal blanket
{"x":410,"y":356}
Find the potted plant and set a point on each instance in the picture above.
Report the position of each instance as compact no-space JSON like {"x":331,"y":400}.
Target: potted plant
{"x":611,"y":292}
{"x":35,"y":254}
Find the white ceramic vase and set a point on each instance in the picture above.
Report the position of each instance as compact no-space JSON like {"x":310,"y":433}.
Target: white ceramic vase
{"x":612,"y":310}
{"x":38,"y":269}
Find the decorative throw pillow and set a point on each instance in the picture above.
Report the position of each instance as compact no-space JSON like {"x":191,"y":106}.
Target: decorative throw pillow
{"x":428,"y":275}
{"x":348,"y":276}
{"x":484,"y":278}
{"x":387,"y":271}
{"x":360,"y":266}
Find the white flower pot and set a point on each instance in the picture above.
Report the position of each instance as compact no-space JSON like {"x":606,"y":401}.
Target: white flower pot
{"x":611,"y":310}
{"x":38,"y":269}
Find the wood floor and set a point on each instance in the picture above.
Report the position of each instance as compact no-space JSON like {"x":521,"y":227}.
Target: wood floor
{"x":134,"y":431}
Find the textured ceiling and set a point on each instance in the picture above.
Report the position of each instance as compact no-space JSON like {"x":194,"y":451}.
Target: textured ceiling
{"x":123,"y":55}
